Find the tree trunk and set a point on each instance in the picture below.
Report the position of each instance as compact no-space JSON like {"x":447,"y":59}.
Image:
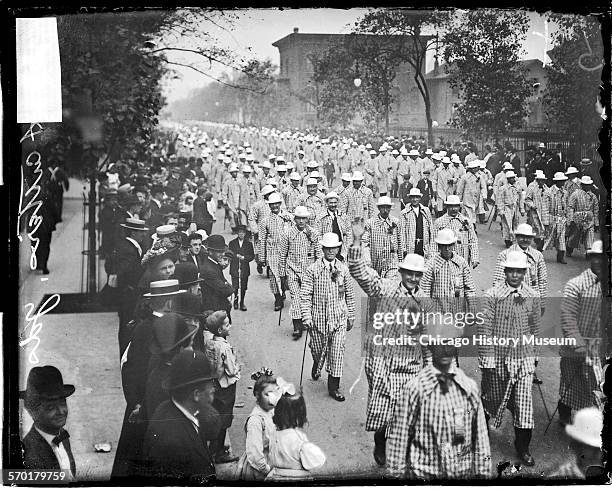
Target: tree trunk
{"x":92,"y":286}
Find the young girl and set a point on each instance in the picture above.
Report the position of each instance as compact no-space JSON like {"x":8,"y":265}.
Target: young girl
{"x":259,"y":427}
{"x":291,"y":455}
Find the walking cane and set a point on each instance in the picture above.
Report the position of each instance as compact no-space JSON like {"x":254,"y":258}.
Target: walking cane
{"x":492,"y":215}
{"x":303,"y":357}
{"x":538,"y":382}
{"x":556,"y":409}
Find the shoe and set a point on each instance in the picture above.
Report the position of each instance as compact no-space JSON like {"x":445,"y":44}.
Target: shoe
{"x":560,"y":258}
{"x":336,"y":395}
{"x":313,"y":372}
{"x":380,"y":445}
{"x":277,"y":302}
{"x":259,"y":269}
{"x":526,"y":458}
{"x":243,"y":307}
{"x":297,"y":334}
{"x":236,"y":304}
{"x":45,"y":271}
{"x":380,"y":457}
{"x":225,"y":458}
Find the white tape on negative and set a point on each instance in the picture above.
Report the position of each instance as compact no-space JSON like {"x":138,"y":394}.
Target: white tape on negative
{"x":39,"y":77}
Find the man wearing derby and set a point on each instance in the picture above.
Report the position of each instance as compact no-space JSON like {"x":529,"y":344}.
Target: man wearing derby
{"x":47,"y":444}
{"x":216,"y":290}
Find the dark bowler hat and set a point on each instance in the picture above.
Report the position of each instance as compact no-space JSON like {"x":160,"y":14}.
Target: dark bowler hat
{"x":187,"y":273}
{"x":238,"y":228}
{"x":46,"y":383}
{"x":216,"y":243}
{"x":188,"y":368}
{"x":170,"y":331}
{"x":189,"y":304}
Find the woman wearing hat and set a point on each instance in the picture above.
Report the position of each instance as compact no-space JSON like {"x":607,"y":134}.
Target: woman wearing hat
{"x":387,"y":368}
{"x":47,"y":445}
{"x":582,"y":216}
{"x":556,"y":204}
{"x":581,"y":319}
{"x":511,"y":309}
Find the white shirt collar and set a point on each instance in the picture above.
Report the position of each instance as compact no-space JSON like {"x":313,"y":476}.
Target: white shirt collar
{"x":47,"y":437}
{"x":156,"y":201}
{"x":189,"y":416}
{"x":135,"y":243}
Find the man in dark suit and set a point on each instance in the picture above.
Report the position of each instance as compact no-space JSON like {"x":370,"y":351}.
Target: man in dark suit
{"x":155,"y":218}
{"x":201,"y":215}
{"x":215,"y":288}
{"x":110,"y":216}
{"x":240,"y":266}
{"x":47,"y":445}
{"x":175,"y":446}
{"x":126,"y":265}
{"x":195,"y":249}
{"x":57,"y":182}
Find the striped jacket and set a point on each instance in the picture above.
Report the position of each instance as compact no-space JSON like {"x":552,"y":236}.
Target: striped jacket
{"x":381,"y":240}
{"x":467,"y":240}
{"x":407,"y":230}
{"x":297,"y":250}
{"x":359,"y":203}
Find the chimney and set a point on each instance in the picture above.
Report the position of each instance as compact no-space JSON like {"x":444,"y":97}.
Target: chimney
{"x":296,"y":30}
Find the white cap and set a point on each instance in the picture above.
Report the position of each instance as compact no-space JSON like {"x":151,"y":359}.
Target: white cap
{"x":559,"y":176}
{"x":247,"y":168}
{"x":315,"y":174}
{"x":442,"y":153}
{"x":346,"y":177}
{"x":540,"y":175}
{"x":271,"y":156}
{"x":281,"y":168}
{"x":412,"y":262}
{"x":586,"y":180}
{"x":250,"y":157}
{"x":368,"y":146}
{"x":455,"y":158}
{"x":330,"y":240}
{"x":227,"y":160}
{"x":384,"y":201}
{"x":332,"y":195}
{"x":473,"y":164}
{"x":596,"y":248}
{"x":290,"y":166}
{"x":395,"y":152}
{"x":267,"y":189}
{"x":294,"y":176}
{"x":357,"y":175}
{"x":280,"y":158}
{"x":446,"y":160}
{"x":446,"y":236}
{"x":587,"y":427}
{"x":266,"y":165}
{"x":510,"y":174}
{"x":312,"y":164}
{"x":345,"y":146}
{"x":524,"y":229}
{"x":516,"y":259}
{"x":429,"y":151}
{"x":452,"y":200}
{"x":414,"y":153}
{"x":415,"y":191}
{"x":312,"y":181}
{"x":372,"y":152}
{"x":233,"y":168}
{"x":571,"y":170}
{"x":301,"y":212}
{"x":274,"y":198}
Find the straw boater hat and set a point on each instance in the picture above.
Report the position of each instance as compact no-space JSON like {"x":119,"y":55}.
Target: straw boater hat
{"x":384,"y":201}
{"x":452,"y":201}
{"x":559,"y":176}
{"x":415,"y":191}
{"x":515,"y":259}
{"x":446,"y":236}
{"x":330,"y":240}
{"x":586,"y":180}
{"x":134,"y":224}
{"x":524,"y":229}
{"x":357,"y":176}
{"x":275,"y":198}
{"x":596,"y":248}
{"x":300,"y":212}
{"x":510,"y":174}
{"x":346,"y":177}
{"x":508,"y":166}
{"x":412,"y":262}
{"x":167,"y":287}
{"x":572,"y":170}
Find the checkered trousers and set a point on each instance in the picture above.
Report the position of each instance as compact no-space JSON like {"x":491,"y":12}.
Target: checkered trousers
{"x":328,"y":348}
{"x":508,"y":206}
{"x":556,"y":202}
{"x":536,"y":275}
{"x":578,"y":382}
{"x":583,"y":209}
{"x":537,"y":210}
{"x":500,"y":391}
{"x":381,"y":240}
{"x":439,"y":436}
{"x":467,"y":241}
{"x":297,"y":250}
{"x":407,"y":231}
{"x":359,"y":204}
{"x":271,"y":229}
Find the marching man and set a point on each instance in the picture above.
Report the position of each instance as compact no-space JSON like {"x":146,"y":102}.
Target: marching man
{"x":509,"y":205}
{"x":535,"y":206}
{"x":443,"y":184}
{"x":360,"y":200}
{"x":312,"y":200}
{"x":292,"y":193}
{"x":581,"y":369}
{"x":471,"y":190}
{"x":388,"y":368}
{"x":556,"y":202}
{"x":259,"y":211}
{"x":583,"y":215}
{"x":381,"y":239}
{"x":334,"y":221}
{"x":343,"y":189}
{"x":299,"y":247}
{"x":327,"y":300}
{"x":415,"y":226}
{"x":467,"y":241}
{"x":271,"y":229}
{"x":511,"y":310}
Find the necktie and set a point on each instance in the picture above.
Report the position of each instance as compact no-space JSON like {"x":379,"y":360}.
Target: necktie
{"x":63,"y":435}
{"x":444,"y":379}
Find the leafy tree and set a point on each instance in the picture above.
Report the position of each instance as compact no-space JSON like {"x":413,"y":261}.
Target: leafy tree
{"x":482,"y":49}
{"x":574,"y":76}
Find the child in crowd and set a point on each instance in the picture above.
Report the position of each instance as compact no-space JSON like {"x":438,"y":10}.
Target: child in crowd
{"x":221,"y":354}
{"x":259,"y":427}
{"x":404,"y":189}
{"x":292,"y":456}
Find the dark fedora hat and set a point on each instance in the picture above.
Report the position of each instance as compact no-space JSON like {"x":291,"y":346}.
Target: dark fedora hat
{"x":187,"y":273}
{"x":170,"y":331}
{"x":188,"y":368}
{"x":46,"y":383}
{"x":189,"y":304}
{"x":238,"y":228}
{"x":216,"y":243}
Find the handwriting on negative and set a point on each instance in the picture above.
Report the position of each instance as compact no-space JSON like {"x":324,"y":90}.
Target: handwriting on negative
{"x":34,"y":324}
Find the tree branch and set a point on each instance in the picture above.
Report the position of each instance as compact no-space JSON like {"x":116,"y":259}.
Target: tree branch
{"x":216,"y":79}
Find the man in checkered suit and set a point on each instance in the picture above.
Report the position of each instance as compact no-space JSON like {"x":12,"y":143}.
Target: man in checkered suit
{"x":416,"y":226}
{"x":510,"y":310}
{"x":258,"y":212}
{"x":536,"y":275}
{"x":438,"y":429}
{"x":582,"y":216}
{"x":509,"y":205}
{"x":581,"y":319}
{"x":312,"y":200}
{"x":360,"y":200}
{"x":343,"y":190}
{"x":556,"y":203}
{"x":443,"y":184}
{"x":536,"y":209}
{"x":299,"y":247}
{"x":448,"y":276}
{"x":293,"y":192}
{"x":334,"y":221}
{"x":467,"y":241}
{"x":327,"y":300}
{"x":271,"y":229}
{"x":388,"y":368}
{"x":381,"y":239}
{"x":471,"y":189}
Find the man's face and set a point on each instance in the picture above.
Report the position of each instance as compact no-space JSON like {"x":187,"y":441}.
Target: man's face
{"x":443,"y":356}
{"x":295,"y":183}
{"x":194,"y":288}
{"x":415,"y":200}
{"x":139,"y":236}
{"x":597,"y":263}
{"x":357,"y":184}
{"x":234,"y":174}
{"x":514,"y":277}
{"x":205,"y":394}
{"x":164,"y":270}
{"x":446,"y":251}
{"x":559,"y":183}
{"x":524,"y":241}
{"x":275,"y":207}
{"x":300,"y":223}
{"x":195,"y":246}
{"x":141,"y":197}
{"x":50,"y":415}
{"x":311,"y":189}
{"x":111,"y":201}
{"x":540,"y":183}
{"x":511,"y":180}
{"x":184,"y":254}
{"x":181,"y":224}
{"x":410,"y":279}
{"x":346,"y":183}
{"x":384,"y":211}
{"x":172,"y":221}
{"x":587,"y":187}
{"x":332,"y":204}
{"x":453,"y":210}
{"x":330,"y":252}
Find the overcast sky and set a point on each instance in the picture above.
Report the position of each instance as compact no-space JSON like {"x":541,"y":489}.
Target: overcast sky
{"x":257,"y":29}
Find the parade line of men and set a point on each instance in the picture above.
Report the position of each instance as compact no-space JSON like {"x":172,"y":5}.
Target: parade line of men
{"x":430,"y":419}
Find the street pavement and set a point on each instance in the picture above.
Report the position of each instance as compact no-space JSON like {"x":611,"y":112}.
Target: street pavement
{"x":84,"y":348}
